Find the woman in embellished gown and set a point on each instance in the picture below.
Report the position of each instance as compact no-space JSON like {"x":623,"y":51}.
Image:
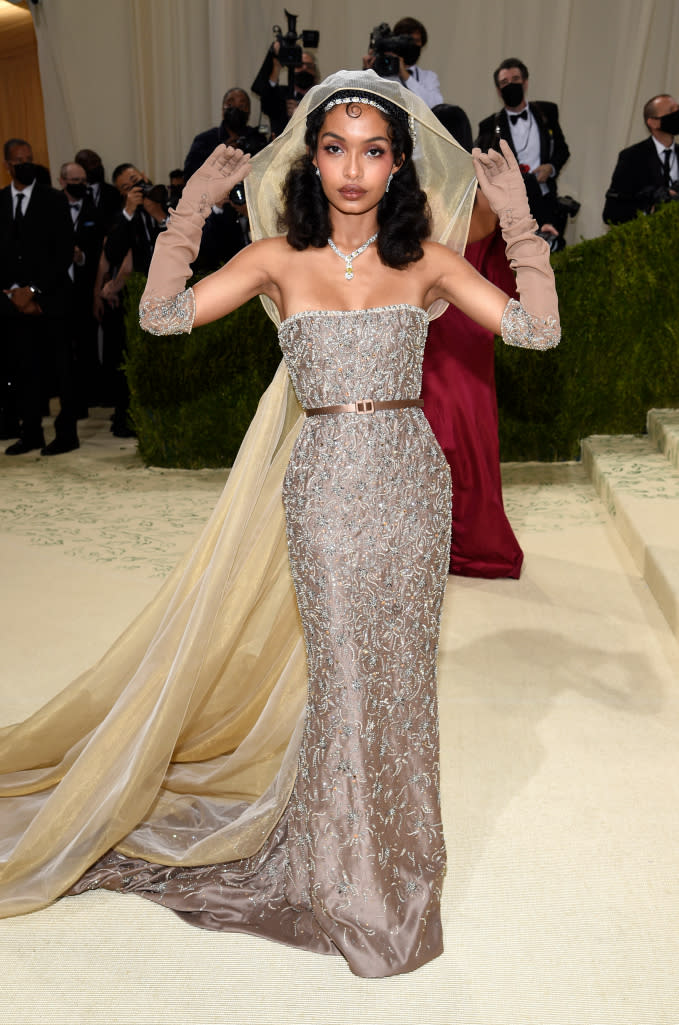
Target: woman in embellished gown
{"x":210,"y":762}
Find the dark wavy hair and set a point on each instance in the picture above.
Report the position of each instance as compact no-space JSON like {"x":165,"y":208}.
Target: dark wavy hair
{"x":403,"y":213}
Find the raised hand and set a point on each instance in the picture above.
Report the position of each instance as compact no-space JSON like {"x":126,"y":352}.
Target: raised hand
{"x":214,"y":179}
{"x":501,"y":182}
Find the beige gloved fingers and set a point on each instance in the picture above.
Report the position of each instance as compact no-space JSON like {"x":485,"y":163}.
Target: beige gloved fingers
{"x":166,"y":306}
{"x":211,"y":184}
{"x":502,"y":184}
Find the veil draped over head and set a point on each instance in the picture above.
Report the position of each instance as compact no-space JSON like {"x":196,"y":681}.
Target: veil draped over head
{"x":180,"y":746}
{"x":444,"y":168}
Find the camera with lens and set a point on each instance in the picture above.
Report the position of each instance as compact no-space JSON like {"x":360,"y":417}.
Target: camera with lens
{"x":388,"y":48}
{"x":289,"y":53}
{"x":156,"y":193}
{"x":252,"y":143}
{"x":664,"y":194}
{"x":555,"y":242}
{"x":568,"y":206}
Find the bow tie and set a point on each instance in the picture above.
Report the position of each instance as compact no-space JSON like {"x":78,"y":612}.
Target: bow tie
{"x":523,"y":116}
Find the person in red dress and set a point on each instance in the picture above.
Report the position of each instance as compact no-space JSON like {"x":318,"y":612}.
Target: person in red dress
{"x":458,"y":389}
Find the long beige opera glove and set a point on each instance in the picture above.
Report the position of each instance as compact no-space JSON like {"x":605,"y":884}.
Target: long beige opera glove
{"x":166,"y":307}
{"x":534,"y":322}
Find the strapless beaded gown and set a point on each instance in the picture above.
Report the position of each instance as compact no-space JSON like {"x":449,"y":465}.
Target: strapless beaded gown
{"x":356,"y":862}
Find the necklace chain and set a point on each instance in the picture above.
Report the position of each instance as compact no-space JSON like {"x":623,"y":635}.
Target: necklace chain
{"x":348,"y":260}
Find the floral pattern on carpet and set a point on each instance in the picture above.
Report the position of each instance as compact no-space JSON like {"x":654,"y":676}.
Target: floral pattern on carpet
{"x":100,"y":503}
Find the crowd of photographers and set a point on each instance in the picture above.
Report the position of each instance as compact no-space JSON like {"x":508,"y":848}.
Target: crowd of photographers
{"x":66,"y":255}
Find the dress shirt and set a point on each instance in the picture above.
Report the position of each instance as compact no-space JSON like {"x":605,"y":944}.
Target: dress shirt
{"x":674,"y":169}
{"x":425,"y":84}
{"x":26,"y":193}
{"x":526,"y":139}
{"x":75,"y":208}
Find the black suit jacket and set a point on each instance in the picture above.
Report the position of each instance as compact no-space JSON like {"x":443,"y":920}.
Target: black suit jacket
{"x":205,"y":142}
{"x":637,"y":176}
{"x":138,"y":234}
{"x":40,"y":253}
{"x":88,"y":235}
{"x":109,"y":205}
{"x":553,"y":147}
{"x":553,"y":150}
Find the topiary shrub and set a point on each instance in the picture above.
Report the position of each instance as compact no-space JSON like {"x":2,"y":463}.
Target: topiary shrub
{"x":193,"y":396}
{"x":619,"y":353}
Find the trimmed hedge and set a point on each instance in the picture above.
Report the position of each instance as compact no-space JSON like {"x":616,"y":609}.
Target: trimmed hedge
{"x":194,"y":396}
{"x":619,"y":353}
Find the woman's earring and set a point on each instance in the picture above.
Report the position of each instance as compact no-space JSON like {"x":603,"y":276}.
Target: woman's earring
{"x":389,"y":181}
{"x":318,"y":171}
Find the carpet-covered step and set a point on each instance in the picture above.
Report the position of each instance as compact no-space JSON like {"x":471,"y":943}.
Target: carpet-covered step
{"x":640,"y":488}
{"x":663,"y":430}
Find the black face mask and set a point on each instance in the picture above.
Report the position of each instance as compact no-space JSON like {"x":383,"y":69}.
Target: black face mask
{"x":670,"y":123}
{"x":512,"y":94}
{"x":25,"y":173}
{"x":77,"y":190}
{"x":95,"y":175}
{"x":304,"y":80}
{"x":235,"y":120}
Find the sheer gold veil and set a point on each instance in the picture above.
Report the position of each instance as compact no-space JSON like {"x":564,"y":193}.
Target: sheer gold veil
{"x":180,"y":746}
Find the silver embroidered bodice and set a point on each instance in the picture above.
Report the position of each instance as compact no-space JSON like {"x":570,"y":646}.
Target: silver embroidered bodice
{"x":342,"y":356}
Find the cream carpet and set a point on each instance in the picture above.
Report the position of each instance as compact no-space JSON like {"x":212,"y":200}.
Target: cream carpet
{"x":559,"y":702}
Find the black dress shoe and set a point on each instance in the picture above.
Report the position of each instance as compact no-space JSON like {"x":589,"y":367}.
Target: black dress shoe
{"x":21,"y":446}
{"x":60,"y":445}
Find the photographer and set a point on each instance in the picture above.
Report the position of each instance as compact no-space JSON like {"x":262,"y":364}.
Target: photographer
{"x":143,"y":217}
{"x":403,"y":45}
{"x":234,"y":130}
{"x":647,"y":173}
{"x":277,"y":102}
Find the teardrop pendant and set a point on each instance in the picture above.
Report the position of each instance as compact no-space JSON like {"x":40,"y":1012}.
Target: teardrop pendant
{"x":349,"y":260}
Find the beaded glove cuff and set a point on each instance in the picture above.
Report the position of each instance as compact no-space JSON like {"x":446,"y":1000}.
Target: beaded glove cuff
{"x":519,"y":327}
{"x":160,"y":315}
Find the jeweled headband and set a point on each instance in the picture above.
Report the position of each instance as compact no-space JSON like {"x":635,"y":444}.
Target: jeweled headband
{"x":392,"y":111}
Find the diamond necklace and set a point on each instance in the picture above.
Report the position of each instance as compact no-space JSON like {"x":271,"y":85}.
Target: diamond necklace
{"x":349,"y":272}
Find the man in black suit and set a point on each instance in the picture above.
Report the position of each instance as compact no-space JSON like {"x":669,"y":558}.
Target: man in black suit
{"x":36,"y":251}
{"x":226,"y":229}
{"x":88,"y":235}
{"x":534,"y":134}
{"x":648,"y":172}
{"x":106,"y":197}
{"x":233,"y":131}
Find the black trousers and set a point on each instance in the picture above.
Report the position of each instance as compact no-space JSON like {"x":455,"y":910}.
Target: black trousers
{"x":38,"y":359}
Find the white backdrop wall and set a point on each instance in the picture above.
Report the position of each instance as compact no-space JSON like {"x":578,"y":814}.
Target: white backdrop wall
{"x":136,"y":79}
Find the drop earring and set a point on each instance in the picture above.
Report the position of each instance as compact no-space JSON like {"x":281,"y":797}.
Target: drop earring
{"x":318,"y":172}
{"x":389,"y":181}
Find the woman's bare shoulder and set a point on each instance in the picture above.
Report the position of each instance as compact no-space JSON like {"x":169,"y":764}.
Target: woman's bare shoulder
{"x":436,"y":251}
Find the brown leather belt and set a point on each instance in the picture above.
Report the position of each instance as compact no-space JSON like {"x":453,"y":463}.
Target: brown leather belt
{"x":366,"y":406}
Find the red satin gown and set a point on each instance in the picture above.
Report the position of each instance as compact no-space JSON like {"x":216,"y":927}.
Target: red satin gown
{"x":458,"y":388}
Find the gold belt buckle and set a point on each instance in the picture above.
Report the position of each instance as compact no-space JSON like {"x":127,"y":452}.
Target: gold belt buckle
{"x":365,"y":406}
